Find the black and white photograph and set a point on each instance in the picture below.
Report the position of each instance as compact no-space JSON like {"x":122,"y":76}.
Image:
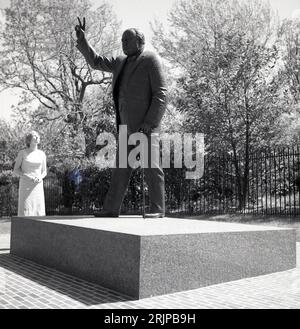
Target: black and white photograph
{"x":149,"y":158}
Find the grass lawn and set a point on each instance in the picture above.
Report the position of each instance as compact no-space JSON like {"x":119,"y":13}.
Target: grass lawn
{"x":4,"y":225}
{"x":290,"y":222}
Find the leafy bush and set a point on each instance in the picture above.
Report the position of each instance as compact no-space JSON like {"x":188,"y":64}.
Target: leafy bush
{"x":8,"y":193}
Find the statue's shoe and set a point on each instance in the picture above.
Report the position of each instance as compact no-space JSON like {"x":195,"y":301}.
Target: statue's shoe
{"x":105,"y":213}
{"x":154,"y":215}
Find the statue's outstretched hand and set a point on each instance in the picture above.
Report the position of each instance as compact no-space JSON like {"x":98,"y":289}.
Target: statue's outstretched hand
{"x":145,"y":129}
{"x":80,"y":29}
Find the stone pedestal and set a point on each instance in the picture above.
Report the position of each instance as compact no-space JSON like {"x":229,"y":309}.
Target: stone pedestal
{"x":143,"y":258}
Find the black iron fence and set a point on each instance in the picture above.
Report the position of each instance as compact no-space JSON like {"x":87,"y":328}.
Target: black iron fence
{"x":267,"y":183}
{"x":270,"y":186}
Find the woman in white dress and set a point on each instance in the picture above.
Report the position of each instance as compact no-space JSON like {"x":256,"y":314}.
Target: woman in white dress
{"x":31,"y":167}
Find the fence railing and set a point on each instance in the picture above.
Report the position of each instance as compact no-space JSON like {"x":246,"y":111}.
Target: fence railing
{"x":270,"y":187}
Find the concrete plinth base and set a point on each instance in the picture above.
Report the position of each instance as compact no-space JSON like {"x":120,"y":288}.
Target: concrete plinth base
{"x":143,"y":258}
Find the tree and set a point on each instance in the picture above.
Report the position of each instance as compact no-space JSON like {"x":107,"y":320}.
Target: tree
{"x":11,"y":138}
{"x":290,"y":37}
{"x":39,"y":57}
{"x":227,"y":53}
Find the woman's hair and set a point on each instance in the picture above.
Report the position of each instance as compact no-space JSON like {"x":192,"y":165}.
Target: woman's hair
{"x":29,"y":136}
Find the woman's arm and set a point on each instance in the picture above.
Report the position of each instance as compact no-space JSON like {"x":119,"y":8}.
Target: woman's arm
{"x":18,"y":166}
{"x":18,"y":163}
{"x":44,"y":167}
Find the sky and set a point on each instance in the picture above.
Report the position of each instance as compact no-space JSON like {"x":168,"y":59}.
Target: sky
{"x":138,"y":13}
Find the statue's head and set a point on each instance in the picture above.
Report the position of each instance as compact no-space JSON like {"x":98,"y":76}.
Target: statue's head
{"x":133,"y":42}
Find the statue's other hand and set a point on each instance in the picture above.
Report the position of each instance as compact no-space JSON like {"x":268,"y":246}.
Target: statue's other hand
{"x":145,"y":128}
{"x":80,"y":29}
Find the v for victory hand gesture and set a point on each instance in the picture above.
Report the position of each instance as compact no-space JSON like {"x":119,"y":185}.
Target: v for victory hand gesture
{"x":80,"y":29}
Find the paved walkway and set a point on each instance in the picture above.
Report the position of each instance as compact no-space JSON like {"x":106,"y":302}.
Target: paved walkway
{"x":24,"y":284}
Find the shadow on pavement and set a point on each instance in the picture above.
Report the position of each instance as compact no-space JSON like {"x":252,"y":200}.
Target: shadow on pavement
{"x":82,"y":291}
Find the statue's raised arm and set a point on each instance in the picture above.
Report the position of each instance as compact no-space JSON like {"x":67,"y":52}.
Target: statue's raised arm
{"x":96,"y":61}
{"x":80,"y":29}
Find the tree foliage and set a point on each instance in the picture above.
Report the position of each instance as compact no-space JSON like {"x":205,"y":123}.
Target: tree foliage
{"x":39,"y":57}
{"x":290,"y":37}
{"x":228,"y":57}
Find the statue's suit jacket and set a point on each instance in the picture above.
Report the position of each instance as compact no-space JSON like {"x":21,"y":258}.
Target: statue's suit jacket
{"x":145,"y":93}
